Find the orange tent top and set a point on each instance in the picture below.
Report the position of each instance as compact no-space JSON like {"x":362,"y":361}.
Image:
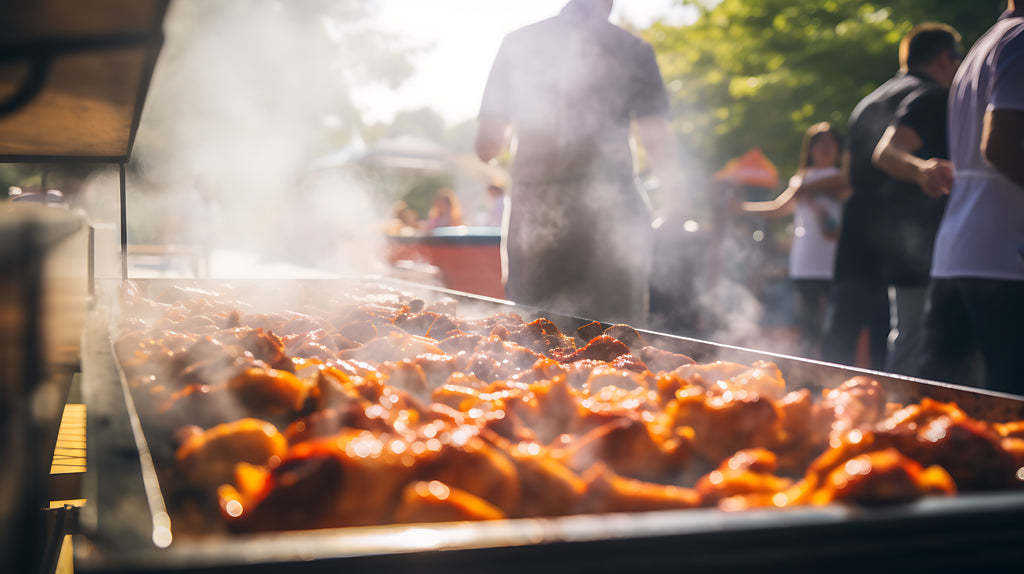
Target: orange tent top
{"x":751,"y":168}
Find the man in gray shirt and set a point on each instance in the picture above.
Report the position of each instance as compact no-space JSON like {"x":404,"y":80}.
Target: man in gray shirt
{"x":564,"y":92}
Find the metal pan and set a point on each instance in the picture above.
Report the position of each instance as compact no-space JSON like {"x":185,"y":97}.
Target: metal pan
{"x":126,"y":528}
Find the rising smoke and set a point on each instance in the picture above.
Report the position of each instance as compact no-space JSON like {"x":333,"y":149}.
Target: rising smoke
{"x":245,"y":94}
{"x":239,"y":104}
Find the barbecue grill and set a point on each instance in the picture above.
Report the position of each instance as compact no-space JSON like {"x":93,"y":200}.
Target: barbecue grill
{"x":127,"y":525}
{"x":131,"y":528}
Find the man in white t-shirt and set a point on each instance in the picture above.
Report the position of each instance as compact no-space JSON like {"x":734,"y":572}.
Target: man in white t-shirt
{"x":976,"y":295}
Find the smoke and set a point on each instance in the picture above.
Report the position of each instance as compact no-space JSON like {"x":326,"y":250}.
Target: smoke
{"x":243,"y":97}
{"x":246,"y":93}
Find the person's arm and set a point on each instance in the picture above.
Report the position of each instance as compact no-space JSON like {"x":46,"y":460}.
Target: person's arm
{"x":894,"y":155}
{"x":491,"y":138}
{"x":836,"y":186}
{"x":781,"y":206}
{"x":1002,"y":143}
{"x":493,"y":121}
{"x":662,"y":153}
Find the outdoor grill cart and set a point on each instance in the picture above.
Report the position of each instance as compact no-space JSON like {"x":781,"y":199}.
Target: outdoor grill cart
{"x":77,"y":74}
{"x":73,"y":79}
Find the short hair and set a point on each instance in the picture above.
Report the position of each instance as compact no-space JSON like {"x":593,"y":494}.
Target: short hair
{"x":927,"y":41}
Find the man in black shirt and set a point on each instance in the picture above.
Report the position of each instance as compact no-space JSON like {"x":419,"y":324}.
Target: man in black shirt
{"x":895,"y":158}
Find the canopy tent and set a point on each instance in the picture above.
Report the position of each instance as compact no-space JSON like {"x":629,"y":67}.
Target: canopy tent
{"x":752,"y":168}
{"x":408,"y":152}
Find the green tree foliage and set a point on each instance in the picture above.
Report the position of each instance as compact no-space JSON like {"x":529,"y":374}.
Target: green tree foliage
{"x":759,"y":72}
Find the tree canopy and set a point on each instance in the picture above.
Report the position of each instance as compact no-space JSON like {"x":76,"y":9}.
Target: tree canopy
{"x":759,"y":73}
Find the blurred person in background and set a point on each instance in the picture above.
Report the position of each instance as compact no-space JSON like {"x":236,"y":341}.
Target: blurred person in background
{"x":446,"y":211}
{"x":913,"y":153}
{"x":494,"y":210}
{"x":865,"y":263}
{"x":578,"y":237}
{"x":816,"y":219}
{"x":976,"y":295}
{"x":404,"y":220}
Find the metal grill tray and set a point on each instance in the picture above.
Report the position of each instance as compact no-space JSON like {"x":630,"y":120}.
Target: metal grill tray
{"x":125,"y":527}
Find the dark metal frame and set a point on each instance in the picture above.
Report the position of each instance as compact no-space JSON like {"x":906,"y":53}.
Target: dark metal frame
{"x":40,"y":54}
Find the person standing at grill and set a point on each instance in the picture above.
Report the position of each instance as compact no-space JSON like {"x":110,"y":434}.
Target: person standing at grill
{"x":577,"y":238}
{"x":976,"y":295}
{"x":882,"y":239}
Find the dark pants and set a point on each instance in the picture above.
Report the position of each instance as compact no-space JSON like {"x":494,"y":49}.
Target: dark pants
{"x":853,"y":306}
{"x":965,"y":316}
{"x":811,"y":305}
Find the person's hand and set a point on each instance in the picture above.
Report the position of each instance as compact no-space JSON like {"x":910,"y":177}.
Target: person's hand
{"x":936,"y":177}
{"x":797,"y":181}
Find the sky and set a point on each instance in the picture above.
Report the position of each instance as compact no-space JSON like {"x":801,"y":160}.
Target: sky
{"x":464,"y":36}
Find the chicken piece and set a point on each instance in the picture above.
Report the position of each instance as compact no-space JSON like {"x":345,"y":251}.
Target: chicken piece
{"x":361,"y":332}
{"x":318,"y":344}
{"x":213,"y":370}
{"x":207,"y":459}
{"x":746,"y":478}
{"x":937,"y":433}
{"x":627,"y":335}
{"x":605,"y":375}
{"x":189,"y":323}
{"x":269,"y":391}
{"x":202,"y":405}
{"x":669,"y":384}
{"x":803,"y":431}
{"x":187,"y":366}
{"x":600,"y":348}
{"x":587,"y":332}
{"x":443,"y":327}
{"x":707,"y":374}
{"x":300,"y":324}
{"x":549,"y":407}
{"x":629,"y":362}
{"x":487,"y":409}
{"x":628,"y":447}
{"x":883,"y":476}
{"x":354,"y":478}
{"x":434,"y":501}
{"x":658,"y":360}
{"x":1013,"y":429}
{"x":542,"y":336}
{"x":468,"y":463}
{"x":327,"y":422}
{"x":335,"y":384}
{"x":509,"y":321}
{"x":725,"y":423}
{"x":858,"y":401}
{"x":416,"y":323}
{"x":263,"y":346}
{"x":514,"y":356}
{"x":762,"y":377}
{"x":437,"y":369}
{"x":393,"y":347}
{"x":459,"y":342}
{"x":609,"y":492}
{"x":409,"y":377}
{"x":547,"y":486}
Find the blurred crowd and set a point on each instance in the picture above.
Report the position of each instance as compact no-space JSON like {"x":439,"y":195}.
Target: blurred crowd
{"x":907,"y":245}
